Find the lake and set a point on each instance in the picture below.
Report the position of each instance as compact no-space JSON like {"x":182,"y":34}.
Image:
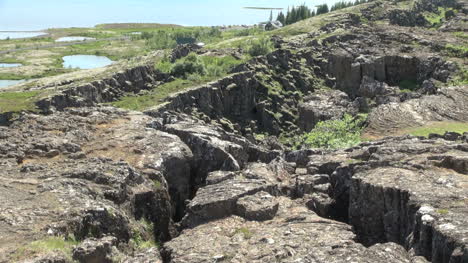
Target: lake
{"x":70,"y":39}
{"x":18,"y":35}
{"x":6,"y":83}
{"x":38,"y":15}
{"x":85,"y":61}
{"x":10,"y":65}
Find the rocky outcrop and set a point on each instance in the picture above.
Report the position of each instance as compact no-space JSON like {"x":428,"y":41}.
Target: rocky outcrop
{"x":325,"y":105}
{"x":391,"y":69}
{"x":408,"y":18}
{"x":448,"y":104}
{"x":105,"y":90}
{"x":288,"y":237}
{"x":89,"y":173}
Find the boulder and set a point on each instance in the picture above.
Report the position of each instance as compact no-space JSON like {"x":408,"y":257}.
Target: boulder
{"x":324,"y":105}
{"x":95,"y":250}
{"x":258,"y":207}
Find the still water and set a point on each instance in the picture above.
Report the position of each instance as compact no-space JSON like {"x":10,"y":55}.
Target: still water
{"x":10,"y":65}
{"x":18,"y":35}
{"x":6,"y":83}
{"x":85,"y":61}
{"x":71,"y":39}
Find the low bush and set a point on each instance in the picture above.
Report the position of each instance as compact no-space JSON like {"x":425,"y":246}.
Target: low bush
{"x":335,"y":134}
{"x":260,"y":47}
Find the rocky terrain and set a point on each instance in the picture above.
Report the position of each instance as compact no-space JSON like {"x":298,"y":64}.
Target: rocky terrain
{"x":192,"y":180}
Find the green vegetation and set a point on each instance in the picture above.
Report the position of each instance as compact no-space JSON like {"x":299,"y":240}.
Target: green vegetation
{"x":461,"y":35}
{"x":260,"y":47}
{"x":157,"y":95}
{"x":460,"y":51}
{"x":438,"y":128}
{"x":295,"y":14}
{"x":165,"y":38}
{"x":244,"y":231}
{"x":303,"y":12}
{"x":46,"y":245}
{"x":18,"y":101}
{"x":190,"y":65}
{"x":195,"y":66}
{"x":146,"y":239}
{"x":461,"y":78}
{"x":442,"y":211}
{"x":436,"y":19}
{"x":335,"y":134}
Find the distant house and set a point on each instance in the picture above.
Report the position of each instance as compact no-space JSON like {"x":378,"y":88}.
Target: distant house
{"x":271,"y":25}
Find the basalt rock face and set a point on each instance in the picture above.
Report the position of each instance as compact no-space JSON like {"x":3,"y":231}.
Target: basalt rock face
{"x":89,"y":173}
{"x":261,"y":96}
{"x":194,"y":176}
{"x":322,"y":106}
{"x":109,"y":89}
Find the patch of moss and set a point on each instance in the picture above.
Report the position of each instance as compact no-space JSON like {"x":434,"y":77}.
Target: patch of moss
{"x":244,"y":231}
{"x":442,"y":211}
{"x":438,"y":128}
{"x":460,"y":51}
{"x":18,"y":101}
{"x":437,"y":18}
{"x":46,"y":245}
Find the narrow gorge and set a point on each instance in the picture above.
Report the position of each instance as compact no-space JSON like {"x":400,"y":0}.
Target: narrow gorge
{"x":218,"y":172}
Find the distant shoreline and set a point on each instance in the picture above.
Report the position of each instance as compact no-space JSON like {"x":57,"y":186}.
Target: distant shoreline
{"x":263,"y":8}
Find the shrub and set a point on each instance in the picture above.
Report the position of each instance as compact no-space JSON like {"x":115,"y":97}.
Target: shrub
{"x":334,"y":134}
{"x":188,"y":66}
{"x":260,"y":47}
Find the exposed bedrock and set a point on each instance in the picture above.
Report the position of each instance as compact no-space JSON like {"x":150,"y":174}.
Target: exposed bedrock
{"x":89,"y":173}
{"x":104,"y":90}
{"x":447,"y":104}
{"x":325,"y":105}
{"x":261,"y":97}
{"x":394,"y":191}
{"x":350,"y":69}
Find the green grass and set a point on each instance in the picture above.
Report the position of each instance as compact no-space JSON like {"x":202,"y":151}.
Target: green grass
{"x":18,"y":101}
{"x":442,"y":211}
{"x":460,"y":51}
{"x":244,"y":231}
{"x":46,"y":245}
{"x":461,"y":35}
{"x":145,"y":239}
{"x":438,"y":128}
{"x":461,"y":78}
{"x":436,"y":19}
{"x":157,"y":95}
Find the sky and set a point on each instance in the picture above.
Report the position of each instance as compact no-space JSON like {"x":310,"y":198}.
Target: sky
{"x":43,"y":14}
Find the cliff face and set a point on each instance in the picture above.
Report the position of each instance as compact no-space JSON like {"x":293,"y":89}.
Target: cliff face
{"x":108,"y":89}
{"x":190,"y":181}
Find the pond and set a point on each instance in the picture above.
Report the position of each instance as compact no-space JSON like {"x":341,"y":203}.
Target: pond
{"x":86,"y":61}
{"x":70,"y":39}
{"x":6,"y":82}
{"x":16,"y":35}
{"x":10,"y":65}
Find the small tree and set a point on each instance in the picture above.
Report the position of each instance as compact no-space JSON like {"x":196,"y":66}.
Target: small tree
{"x":281,"y":18}
{"x":322,"y":9}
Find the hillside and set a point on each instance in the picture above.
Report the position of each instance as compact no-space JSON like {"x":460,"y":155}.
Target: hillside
{"x":339,"y":138}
